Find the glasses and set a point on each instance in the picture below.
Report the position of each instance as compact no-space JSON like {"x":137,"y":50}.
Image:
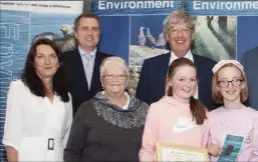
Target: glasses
{"x":225,"y":83}
{"x":112,"y":77}
{"x":176,"y":30}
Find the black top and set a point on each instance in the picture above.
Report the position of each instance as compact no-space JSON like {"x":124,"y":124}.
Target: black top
{"x":104,"y":132}
{"x":77,"y":81}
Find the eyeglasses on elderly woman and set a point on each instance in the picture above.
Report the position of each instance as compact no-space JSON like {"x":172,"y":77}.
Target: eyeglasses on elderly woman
{"x":112,"y":77}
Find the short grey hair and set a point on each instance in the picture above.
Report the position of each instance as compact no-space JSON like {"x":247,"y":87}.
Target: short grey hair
{"x":113,"y":60}
{"x":177,"y":17}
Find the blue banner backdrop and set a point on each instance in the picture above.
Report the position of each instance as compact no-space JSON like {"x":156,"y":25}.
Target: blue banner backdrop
{"x":132,"y":29}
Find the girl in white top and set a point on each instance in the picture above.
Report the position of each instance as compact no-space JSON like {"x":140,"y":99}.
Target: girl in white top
{"x":39,"y":109}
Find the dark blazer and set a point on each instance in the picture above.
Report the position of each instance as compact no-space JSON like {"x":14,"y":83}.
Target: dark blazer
{"x":152,"y":83}
{"x":249,"y":61}
{"x":77,"y":81}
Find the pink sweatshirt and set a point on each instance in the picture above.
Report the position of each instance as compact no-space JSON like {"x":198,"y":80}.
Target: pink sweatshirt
{"x":240,"y":122}
{"x":171,"y":121}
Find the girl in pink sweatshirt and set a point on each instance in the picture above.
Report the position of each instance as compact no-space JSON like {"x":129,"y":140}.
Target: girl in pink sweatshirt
{"x":177,"y":118}
{"x":229,"y":87}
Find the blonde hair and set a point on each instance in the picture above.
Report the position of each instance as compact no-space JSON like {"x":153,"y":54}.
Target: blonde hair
{"x":216,"y":95}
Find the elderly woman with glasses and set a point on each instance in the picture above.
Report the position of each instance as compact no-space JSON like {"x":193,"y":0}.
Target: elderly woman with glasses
{"x":108,"y":127}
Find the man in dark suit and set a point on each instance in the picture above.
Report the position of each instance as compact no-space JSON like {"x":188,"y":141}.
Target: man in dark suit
{"x":179,"y":33}
{"x":82,"y":64}
{"x":249,"y":61}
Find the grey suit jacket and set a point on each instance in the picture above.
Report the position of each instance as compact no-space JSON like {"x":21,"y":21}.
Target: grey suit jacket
{"x":250,"y":63}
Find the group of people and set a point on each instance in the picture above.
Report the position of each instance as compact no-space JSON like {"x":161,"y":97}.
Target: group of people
{"x":74,"y":106}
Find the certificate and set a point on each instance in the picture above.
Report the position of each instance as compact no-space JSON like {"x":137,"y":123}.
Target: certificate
{"x":172,"y":152}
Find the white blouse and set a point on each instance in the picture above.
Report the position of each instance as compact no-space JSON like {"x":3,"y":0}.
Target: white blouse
{"x":32,"y":120}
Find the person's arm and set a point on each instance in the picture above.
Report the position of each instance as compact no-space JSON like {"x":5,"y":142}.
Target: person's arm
{"x":149,"y":139}
{"x":78,"y":133}
{"x":12,"y":154}
{"x":69,"y":119}
{"x":254,"y":138}
{"x":213,"y":149}
{"x":206,"y":132}
{"x":143,"y":85}
{"x":13,"y":122}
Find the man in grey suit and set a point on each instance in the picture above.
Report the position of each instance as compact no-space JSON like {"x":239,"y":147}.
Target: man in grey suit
{"x":250,"y":63}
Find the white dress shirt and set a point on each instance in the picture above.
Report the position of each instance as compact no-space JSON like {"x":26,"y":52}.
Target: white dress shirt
{"x":88,"y":60}
{"x":31,"y":120}
{"x":189,"y":56}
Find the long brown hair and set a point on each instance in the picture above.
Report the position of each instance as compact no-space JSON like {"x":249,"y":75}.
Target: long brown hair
{"x":196,"y":107}
{"x":32,"y":80}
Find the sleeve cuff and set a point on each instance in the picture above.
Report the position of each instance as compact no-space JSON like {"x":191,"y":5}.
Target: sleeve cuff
{"x":8,"y":143}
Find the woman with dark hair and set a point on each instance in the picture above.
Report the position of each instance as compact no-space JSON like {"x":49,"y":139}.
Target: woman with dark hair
{"x":39,"y":109}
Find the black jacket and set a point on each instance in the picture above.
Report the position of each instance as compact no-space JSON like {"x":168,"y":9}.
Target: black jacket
{"x":77,"y":81}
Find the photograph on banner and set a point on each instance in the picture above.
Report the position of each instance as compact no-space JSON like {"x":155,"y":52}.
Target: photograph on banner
{"x":58,"y":28}
{"x":247,"y":34}
{"x":22,"y":23}
{"x":215,"y":38}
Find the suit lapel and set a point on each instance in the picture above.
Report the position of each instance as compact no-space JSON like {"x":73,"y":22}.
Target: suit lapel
{"x":95,"y":80}
{"x":201,"y":77}
{"x":79,"y":70}
{"x":165,"y":64}
{"x":162,"y":70}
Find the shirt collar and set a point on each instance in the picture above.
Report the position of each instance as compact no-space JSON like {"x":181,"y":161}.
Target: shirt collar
{"x":126,"y":106}
{"x":92,"y":53}
{"x":188,"y":55}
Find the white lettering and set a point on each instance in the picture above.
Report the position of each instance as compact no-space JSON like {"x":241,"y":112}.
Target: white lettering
{"x":255,"y":5}
{"x":106,"y":5}
{"x":116,"y":5}
{"x":158,"y":4}
{"x":196,"y":5}
{"x":10,"y":30}
{"x":6,"y":50}
{"x":228,"y":6}
{"x":4,"y":67}
{"x":101,"y":5}
{"x":222,"y":5}
{"x":132,"y":5}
